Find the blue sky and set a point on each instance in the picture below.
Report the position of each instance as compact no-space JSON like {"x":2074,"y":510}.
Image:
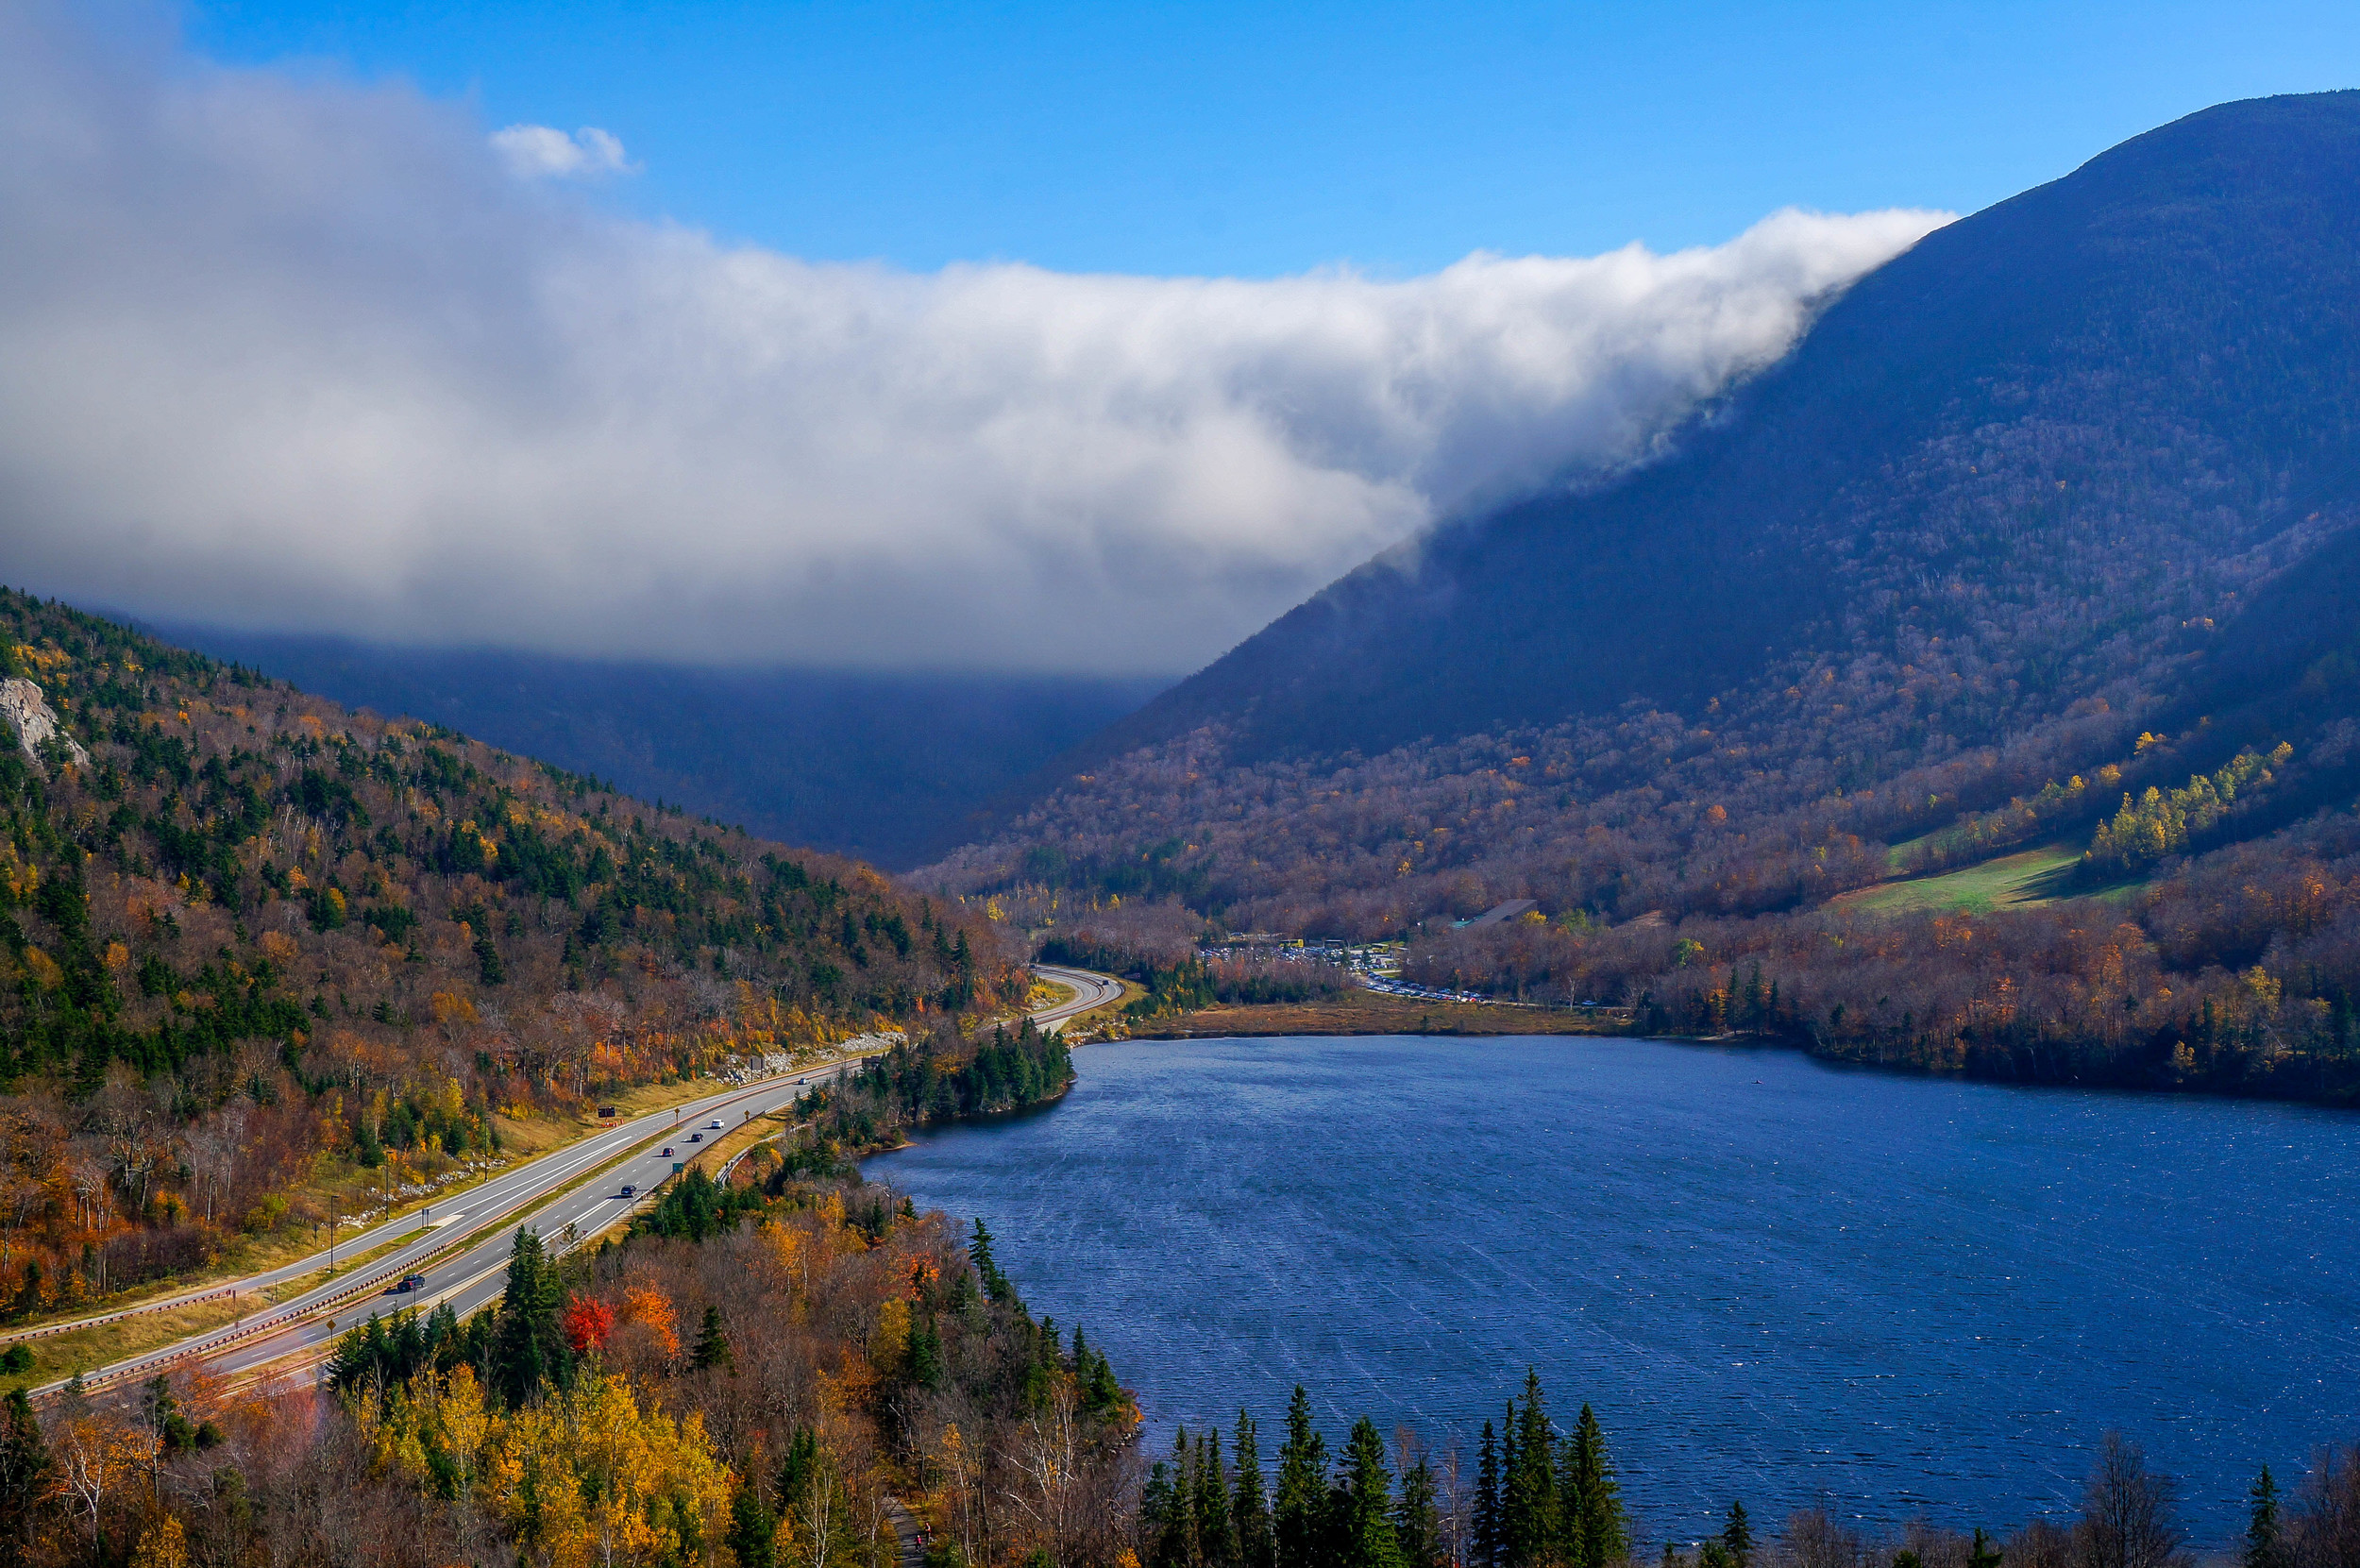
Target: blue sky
{"x":1267,"y":139}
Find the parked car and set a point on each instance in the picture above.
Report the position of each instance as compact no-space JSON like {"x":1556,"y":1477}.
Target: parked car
{"x":605,"y":1112}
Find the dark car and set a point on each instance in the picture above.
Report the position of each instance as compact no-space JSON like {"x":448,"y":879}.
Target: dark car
{"x":629,"y":1191}
{"x":668,"y":1150}
{"x":407,"y":1284}
{"x":696,"y":1137}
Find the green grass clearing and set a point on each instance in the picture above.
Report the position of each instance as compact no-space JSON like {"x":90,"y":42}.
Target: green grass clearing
{"x":2018,"y":880}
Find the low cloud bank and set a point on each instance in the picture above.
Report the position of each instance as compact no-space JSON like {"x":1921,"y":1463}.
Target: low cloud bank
{"x":315,"y":355}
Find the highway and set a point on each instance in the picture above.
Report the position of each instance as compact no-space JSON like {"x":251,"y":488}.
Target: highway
{"x":460,"y":1246}
{"x":1090,"y":990}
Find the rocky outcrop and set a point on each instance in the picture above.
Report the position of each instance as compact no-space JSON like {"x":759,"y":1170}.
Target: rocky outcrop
{"x":29,"y":714}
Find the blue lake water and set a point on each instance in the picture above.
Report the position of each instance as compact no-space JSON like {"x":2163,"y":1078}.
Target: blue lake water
{"x":1774,"y":1280}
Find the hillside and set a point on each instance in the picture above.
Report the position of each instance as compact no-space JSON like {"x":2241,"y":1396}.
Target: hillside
{"x":890,"y":767}
{"x":250,"y":936}
{"x":2053,"y":510}
{"x":2019,"y":458}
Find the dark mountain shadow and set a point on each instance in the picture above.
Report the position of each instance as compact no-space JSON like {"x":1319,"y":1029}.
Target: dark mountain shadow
{"x":888,"y":767}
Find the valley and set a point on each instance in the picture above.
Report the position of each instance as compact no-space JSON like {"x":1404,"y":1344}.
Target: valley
{"x":614,"y":964}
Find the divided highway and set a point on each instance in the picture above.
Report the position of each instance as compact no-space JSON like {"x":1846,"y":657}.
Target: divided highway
{"x":461,"y":1247}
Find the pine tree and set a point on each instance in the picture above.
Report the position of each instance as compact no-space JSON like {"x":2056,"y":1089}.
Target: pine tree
{"x":1215,"y":1538}
{"x":1250,"y":1511}
{"x":713,"y":1342}
{"x":1510,"y":1459}
{"x":1176,"y":1547}
{"x":1737,"y":1537}
{"x":1299,"y":1518}
{"x":25,"y":1469}
{"x":1982,"y":1552}
{"x":926,"y":1353}
{"x":1487,"y":1503}
{"x":996,"y":1284}
{"x":1417,"y":1522}
{"x":1155,"y":1521}
{"x":797,"y":1470}
{"x":2262,"y":1548}
{"x":753,"y":1530}
{"x":528,"y":1350}
{"x":1529,"y":1512}
{"x":1104,"y":1393}
{"x":1363,"y":1506}
{"x":1603,"y":1531}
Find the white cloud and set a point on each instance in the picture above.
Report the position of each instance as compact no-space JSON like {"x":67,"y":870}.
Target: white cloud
{"x":538,"y":152}
{"x":305,"y":355}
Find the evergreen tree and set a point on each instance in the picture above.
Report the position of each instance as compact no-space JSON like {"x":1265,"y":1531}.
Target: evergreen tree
{"x":799,"y":1470}
{"x":1299,"y":1518}
{"x":1487,"y":1503}
{"x":1250,"y":1512}
{"x":753,"y":1530}
{"x":713,"y":1342}
{"x":1157,"y":1504}
{"x":1103,"y":1393}
{"x":926,"y":1353}
{"x":1737,"y":1537}
{"x":1363,"y":1508}
{"x":529,"y":1351}
{"x":1216,"y":1540}
{"x":1417,"y":1522}
{"x":2262,"y":1548}
{"x":1984,"y":1552}
{"x":996,"y":1284}
{"x":1602,"y":1531}
{"x":1528,"y":1508}
{"x":1175,"y":1545}
{"x":24,"y":1468}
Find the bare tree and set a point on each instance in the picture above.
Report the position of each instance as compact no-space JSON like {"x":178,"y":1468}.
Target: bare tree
{"x":2325,"y":1530}
{"x":1815,"y":1540}
{"x":2130,"y":1514}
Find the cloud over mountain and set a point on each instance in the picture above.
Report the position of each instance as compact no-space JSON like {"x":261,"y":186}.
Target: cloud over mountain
{"x":311,"y":354}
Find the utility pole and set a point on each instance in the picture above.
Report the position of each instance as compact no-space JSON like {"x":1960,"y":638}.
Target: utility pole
{"x":331,"y":1238}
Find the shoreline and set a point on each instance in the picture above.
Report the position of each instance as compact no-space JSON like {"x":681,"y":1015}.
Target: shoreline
{"x":1368,"y":1013}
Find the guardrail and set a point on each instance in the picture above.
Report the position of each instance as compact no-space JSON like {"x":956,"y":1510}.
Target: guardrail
{"x":243,"y":1331}
{"x":18,"y":1336}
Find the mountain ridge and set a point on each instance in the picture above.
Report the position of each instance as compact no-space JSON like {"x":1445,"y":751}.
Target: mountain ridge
{"x":2044,"y":534}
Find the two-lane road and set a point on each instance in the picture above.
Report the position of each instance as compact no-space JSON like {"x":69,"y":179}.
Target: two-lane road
{"x":639,"y":1154}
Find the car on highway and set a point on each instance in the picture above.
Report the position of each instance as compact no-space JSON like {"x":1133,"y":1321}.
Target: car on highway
{"x":406,"y":1284}
{"x":630,"y":1190}
{"x":668,"y":1150}
{"x":714,"y":1125}
{"x":696,"y":1137}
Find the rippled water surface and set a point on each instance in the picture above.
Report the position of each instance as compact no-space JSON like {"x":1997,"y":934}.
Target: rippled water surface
{"x":1774,"y":1279}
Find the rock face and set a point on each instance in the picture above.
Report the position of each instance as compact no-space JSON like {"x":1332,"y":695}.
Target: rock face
{"x":29,"y":714}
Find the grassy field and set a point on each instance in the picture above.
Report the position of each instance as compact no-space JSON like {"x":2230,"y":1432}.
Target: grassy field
{"x":2018,"y":880}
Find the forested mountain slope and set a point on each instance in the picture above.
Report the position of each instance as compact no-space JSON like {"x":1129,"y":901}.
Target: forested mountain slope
{"x":2022,"y":456}
{"x":890,"y":766}
{"x":2052,"y":512}
{"x":248,"y":931}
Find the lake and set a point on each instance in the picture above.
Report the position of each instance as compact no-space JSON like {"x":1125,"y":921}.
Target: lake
{"x":1776,"y":1280}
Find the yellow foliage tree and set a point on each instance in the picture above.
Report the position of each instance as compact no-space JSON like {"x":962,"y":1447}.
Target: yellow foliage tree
{"x":588,"y":1479}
